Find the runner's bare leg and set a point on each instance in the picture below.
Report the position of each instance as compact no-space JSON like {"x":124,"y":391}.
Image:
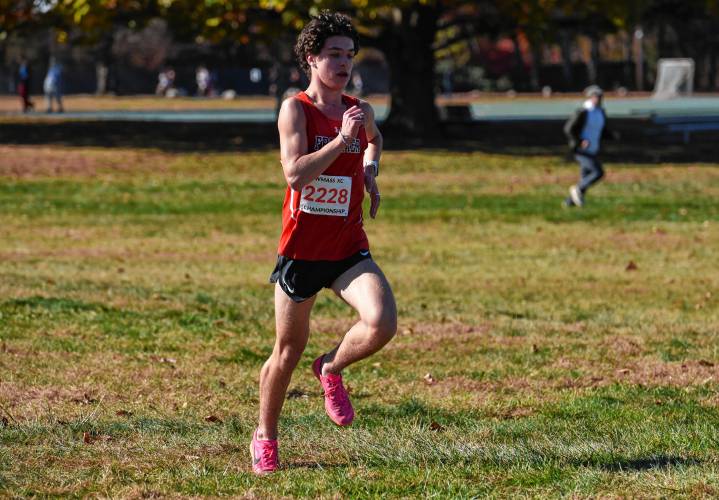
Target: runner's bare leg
{"x":292,"y":321}
{"x":365,"y":288}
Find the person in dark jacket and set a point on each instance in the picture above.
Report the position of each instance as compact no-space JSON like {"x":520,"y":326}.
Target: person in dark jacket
{"x":23,"y":85}
{"x":585,"y":130}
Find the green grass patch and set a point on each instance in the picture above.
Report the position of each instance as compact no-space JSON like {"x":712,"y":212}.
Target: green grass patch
{"x":541,"y":352}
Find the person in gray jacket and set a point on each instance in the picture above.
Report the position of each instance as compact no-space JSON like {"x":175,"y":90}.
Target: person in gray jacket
{"x":585,"y":130}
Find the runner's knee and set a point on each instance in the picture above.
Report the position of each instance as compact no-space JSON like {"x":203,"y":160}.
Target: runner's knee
{"x":383,"y":324}
{"x":288,"y":355}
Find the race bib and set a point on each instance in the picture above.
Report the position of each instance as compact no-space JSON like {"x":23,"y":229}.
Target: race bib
{"x":327,"y":195}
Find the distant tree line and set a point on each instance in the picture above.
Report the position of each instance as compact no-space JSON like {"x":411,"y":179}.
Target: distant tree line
{"x":426,"y":43}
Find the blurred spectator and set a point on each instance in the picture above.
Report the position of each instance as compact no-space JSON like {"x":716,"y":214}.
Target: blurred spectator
{"x":165,"y":81}
{"x":294,"y":84}
{"x":214,"y":83}
{"x":447,"y":81}
{"x":202,"y":77}
{"x":585,"y":130}
{"x":357,"y":84}
{"x":23,"y":85}
{"x":52,"y":86}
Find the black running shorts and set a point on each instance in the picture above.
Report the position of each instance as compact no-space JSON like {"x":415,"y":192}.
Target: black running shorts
{"x":302,"y":279}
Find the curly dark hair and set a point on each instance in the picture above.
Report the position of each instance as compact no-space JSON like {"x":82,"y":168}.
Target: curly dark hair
{"x":318,"y":30}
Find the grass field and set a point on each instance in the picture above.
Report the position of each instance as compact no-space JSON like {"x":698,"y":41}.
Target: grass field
{"x":541,"y":351}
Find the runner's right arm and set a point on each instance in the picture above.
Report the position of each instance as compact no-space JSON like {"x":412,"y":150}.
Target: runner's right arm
{"x":301,"y":168}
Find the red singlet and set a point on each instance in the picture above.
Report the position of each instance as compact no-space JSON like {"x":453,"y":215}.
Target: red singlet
{"x":324,"y":220}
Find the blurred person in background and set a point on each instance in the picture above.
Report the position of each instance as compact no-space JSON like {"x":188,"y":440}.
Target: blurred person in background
{"x":165,"y":81}
{"x":23,"y":85}
{"x":585,"y":130}
{"x":52,"y":86}
{"x":202,"y":77}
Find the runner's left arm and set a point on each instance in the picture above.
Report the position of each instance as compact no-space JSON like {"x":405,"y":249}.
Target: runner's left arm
{"x":371,"y":154}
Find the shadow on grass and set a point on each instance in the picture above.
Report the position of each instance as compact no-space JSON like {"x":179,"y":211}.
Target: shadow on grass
{"x":53,"y":304}
{"x":641,"y":464}
{"x":312,"y":465}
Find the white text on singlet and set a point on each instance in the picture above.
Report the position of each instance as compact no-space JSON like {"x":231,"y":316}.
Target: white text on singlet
{"x":327,"y":195}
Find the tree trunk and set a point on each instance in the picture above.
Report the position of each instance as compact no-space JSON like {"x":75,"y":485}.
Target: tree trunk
{"x":534,"y":81}
{"x":411,"y":61}
{"x":712,"y":77}
{"x":101,"y":71}
{"x":103,"y":63}
{"x":661,"y":41}
{"x":565,"y":45}
{"x":638,"y":38}
{"x":627,"y":76}
{"x":5,"y":69}
{"x":519,"y":79}
{"x":593,"y":68}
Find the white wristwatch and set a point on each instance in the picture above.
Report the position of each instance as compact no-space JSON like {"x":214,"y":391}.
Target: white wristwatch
{"x":375,"y":166}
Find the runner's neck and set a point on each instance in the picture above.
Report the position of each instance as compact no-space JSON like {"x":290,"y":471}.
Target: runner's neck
{"x":331,"y":100}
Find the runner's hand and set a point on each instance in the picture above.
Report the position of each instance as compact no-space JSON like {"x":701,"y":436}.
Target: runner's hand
{"x":352,"y":120}
{"x":373,"y":190}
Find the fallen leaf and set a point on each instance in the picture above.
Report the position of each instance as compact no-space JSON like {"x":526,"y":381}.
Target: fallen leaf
{"x":213,"y":419}
{"x":436,"y":427}
{"x":86,"y":438}
{"x":162,"y":359}
{"x":296,"y":394}
{"x":517,"y":413}
{"x":84,"y":400}
{"x":632,"y":266}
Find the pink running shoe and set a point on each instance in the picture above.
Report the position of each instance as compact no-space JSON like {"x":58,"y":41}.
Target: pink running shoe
{"x":337,"y":401}
{"x":264,"y":455}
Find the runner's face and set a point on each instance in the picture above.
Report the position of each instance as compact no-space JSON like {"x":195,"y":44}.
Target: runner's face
{"x":333,"y":65}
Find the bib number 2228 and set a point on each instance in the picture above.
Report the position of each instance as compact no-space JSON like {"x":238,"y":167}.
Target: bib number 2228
{"x":327,"y":195}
